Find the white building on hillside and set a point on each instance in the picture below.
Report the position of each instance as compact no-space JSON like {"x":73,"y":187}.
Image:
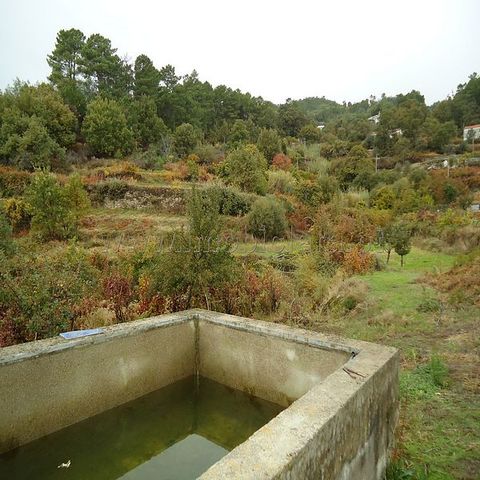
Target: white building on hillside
{"x":474,"y":128}
{"x":374,"y":118}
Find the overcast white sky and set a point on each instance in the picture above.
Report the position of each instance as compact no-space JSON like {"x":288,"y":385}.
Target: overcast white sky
{"x":341,"y":49}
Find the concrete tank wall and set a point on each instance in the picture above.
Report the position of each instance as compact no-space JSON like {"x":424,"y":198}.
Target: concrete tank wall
{"x":339,"y":427}
{"x":46,"y":387}
{"x":266,"y":366}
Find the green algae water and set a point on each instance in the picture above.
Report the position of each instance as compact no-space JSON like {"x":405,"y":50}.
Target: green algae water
{"x":175,"y":433}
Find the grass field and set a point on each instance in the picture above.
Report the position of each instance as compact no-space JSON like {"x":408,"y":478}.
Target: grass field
{"x":439,"y":431}
{"x":114,"y":229}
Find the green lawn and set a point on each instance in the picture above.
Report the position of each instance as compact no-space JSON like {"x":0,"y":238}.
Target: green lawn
{"x":397,"y":288}
{"x":439,"y":433}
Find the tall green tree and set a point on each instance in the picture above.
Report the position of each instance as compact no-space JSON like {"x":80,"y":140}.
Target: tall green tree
{"x":146,"y":125}
{"x":65,"y":58}
{"x":466,"y":102}
{"x":357,"y":164}
{"x":147,"y":77}
{"x":36,"y":126}
{"x":291,"y":119}
{"x":105,"y":72}
{"x":106,"y":130}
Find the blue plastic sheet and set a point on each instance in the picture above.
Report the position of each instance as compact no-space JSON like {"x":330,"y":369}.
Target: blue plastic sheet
{"x":81,"y":333}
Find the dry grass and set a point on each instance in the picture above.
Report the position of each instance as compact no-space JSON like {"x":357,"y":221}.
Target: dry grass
{"x":111,"y":230}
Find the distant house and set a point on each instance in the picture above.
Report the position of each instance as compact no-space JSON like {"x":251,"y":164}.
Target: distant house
{"x":396,"y":132}
{"x":374,"y":118}
{"x":474,"y":128}
{"x":321,"y":126}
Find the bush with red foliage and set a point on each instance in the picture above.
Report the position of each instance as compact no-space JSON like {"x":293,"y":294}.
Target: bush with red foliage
{"x":118,"y":293}
{"x":358,"y":261}
{"x":281,"y":162}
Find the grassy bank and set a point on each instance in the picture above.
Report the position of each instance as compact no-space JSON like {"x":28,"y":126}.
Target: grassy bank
{"x":439,"y":430}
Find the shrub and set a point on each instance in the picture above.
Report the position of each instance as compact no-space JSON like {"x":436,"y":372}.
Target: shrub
{"x":353,"y":198}
{"x":327,"y":188}
{"x":246,"y":168}
{"x":425,"y":380}
{"x":318,"y":166}
{"x":13,"y":182}
{"x":429,"y":305}
{"x":280,"y":182}
{"x":284,"y":261}
{"x":338,"y":224}
{"x":118,"y":292}
{"x":309,"y":281}
{"x":36,"y":148}
{"x":315,"y":192}
{"x":310,"y":133}
{"x":109,"y":190}
{"x":185,"y":139}
{"x":343,"y":294}
{"x":43,"y":295}
{"x":281,"y":162}
{"x":269,"y":143}
{"x":328,"y":257}
{"x":358,"y":261}
{"x":232,"y":201}
{"x":258,"y":289}
{"x":299,"y":217}
{"x":208,"y":154}
{"x":198,"y":261}
{"x":55,"y":210}
{"x":463,"y":238}
{"x":6,"y":240}
{"x":18,"y":213}
{"x":121,"y":170}
{"x":396,"y":470}
{"x":354,"y":226}
{"x":334,"y":149}
{"x":307,"y":192}
{"x":105,"y":129}
{"x":347,"y":169}
{"x":150,"y":159}
{"x":36,"y":127}
{"x":175,"y":171}
{"x":349,"y":303}
{"x":76,"y":198}
{"x":453,"y":218}
{"x":383,"y":198}
{"x":272,"y":288}
{"x":193,"y":168}
{"x":461,"y":282}
{"x":267,"y":219}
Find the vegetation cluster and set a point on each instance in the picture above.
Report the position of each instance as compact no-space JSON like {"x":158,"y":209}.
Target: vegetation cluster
{"x":128,"y":191}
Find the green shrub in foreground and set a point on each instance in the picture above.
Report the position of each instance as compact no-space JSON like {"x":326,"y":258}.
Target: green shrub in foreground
{"x":425,"y":381}
{"x":267,"y":219}
{"x":6,"y":241}
{"x":55,"y":209}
